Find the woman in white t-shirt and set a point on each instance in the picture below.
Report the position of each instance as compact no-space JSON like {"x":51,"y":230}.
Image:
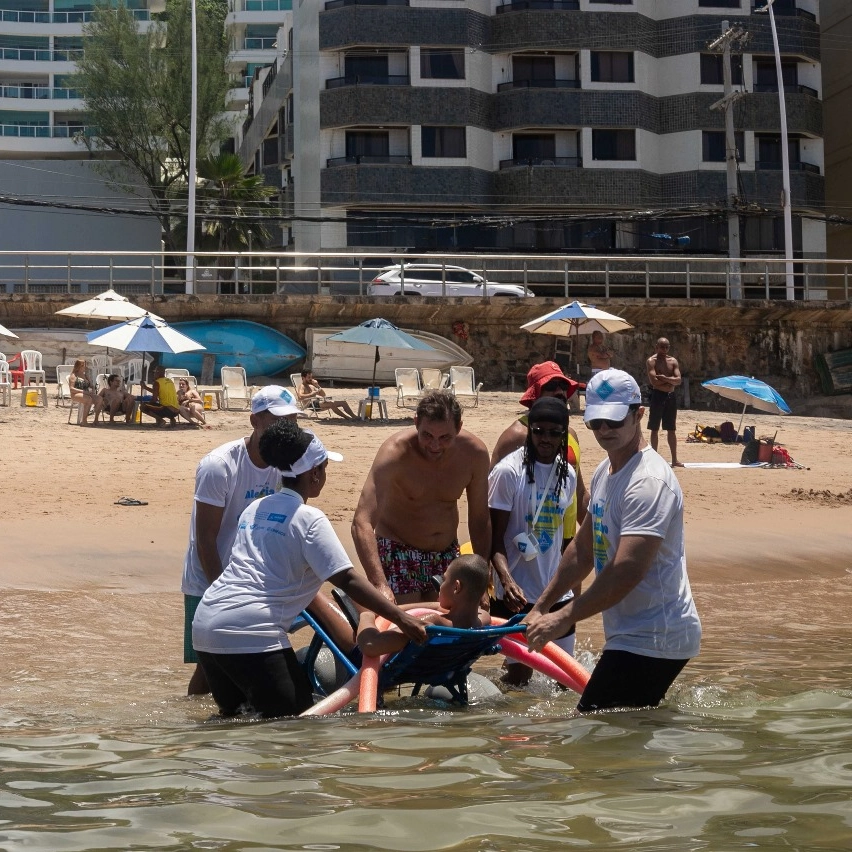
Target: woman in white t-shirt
{"x":283,"y":552}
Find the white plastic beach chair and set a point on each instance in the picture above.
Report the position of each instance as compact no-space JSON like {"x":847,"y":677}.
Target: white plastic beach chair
{"x":433,"y":378}
{"x":407,"y":384}
{"x":462,"y":383}
{"x":63,"y":394}
{"x":235,"y":387}
{"x":5,"y":384}
{"x":31,"y":365}
{"x":135,"y":372}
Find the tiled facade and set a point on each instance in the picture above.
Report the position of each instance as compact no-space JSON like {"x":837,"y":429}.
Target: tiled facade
{"x":551,"y":113}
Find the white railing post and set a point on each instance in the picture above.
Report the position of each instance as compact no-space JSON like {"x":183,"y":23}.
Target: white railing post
{"x":688,"y":280}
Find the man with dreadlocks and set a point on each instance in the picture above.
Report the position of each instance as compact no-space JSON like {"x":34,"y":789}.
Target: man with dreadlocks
{"x":528,"y":494}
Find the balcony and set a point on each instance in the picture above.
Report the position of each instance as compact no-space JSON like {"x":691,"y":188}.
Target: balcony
{"x":368,"y":80}
{"x":549,"y":5}
{"x":339,"y":4}
{"x":44,"y":131}
{"x":370,"y":160}
{"x":538,"y":84}
{"x":18,"y":16}
{"x":547,"y":162}
{"x":30,"y":54}
{"x":39,"y":93}
{"x":776,"y":165}
{"x":789,"y":88}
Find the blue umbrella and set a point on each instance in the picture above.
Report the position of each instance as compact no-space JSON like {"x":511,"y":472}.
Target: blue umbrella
{"x":750,"y":392}
{"x":379,"y":332}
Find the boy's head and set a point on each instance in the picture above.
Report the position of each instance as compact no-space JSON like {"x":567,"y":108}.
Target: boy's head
{"x":465,"y":580}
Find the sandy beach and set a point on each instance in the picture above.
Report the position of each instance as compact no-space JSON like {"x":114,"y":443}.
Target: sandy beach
{"x":81,"y":572}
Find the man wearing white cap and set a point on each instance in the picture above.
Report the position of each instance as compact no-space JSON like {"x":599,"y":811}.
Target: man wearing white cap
{"x":226,"y":481}
{"x":633,"y":538}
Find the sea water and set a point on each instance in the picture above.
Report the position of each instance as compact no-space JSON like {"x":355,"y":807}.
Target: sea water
{"x":752,"y":748}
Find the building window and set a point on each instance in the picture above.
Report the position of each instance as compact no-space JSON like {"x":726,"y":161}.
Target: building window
{"x":367,"y":144}
{"x":442,"y":63}
{"x":610,"y":66}
{"x":613,"y":144}
{"x":443,"y":142}
{"x":614,"y":2}
{"x":719,"y":4}
{"x":713,"y":147}
{"x":711,"y":69}
{"x":534,"y":147}
{"x":534,"y":68}
{"x":766,"y":74}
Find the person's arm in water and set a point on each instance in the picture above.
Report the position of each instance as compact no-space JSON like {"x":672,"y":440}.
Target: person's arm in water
{"x":208,"y":521}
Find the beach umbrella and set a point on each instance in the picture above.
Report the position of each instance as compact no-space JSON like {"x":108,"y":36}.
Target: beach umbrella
{"x":108,"y":305}
{"x":750,"y":392}
{"x":145,"y":334}
{"x":379,"y":332}
{"x":576,"y":319}
{"x":6,"y":333}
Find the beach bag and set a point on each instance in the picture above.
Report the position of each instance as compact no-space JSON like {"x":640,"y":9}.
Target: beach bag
{"x":750,"y":452}
{"x":710,"y":435}
{"x":727,"y":433}
{"x":780,"y":456}
{"x":748,"y":434}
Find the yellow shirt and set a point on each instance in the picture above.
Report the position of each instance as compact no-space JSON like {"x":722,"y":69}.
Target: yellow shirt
{"x":167,"y":393}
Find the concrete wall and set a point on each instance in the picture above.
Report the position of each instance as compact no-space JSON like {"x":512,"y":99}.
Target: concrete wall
{"x":44,"y":228}
{"x":776,"y":342}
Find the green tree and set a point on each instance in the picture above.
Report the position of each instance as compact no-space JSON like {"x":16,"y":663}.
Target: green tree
{"x":136,"y":86}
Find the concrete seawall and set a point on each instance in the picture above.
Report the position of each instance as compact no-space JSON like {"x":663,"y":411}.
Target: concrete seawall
{"x":774,"y":341}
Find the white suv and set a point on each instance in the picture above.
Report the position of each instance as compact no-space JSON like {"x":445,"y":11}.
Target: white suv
{"x":428,"y":279}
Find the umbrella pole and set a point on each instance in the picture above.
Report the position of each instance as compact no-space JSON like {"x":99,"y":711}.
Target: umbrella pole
{"x":742,"y":417}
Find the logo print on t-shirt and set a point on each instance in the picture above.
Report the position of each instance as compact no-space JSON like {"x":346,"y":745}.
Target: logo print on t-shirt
{"x":600,"y":538}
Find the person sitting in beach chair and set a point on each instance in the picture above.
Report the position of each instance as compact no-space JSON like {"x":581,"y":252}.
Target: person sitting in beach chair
{"x":115,"y":400}
{"x":459,"y":634}
{"x":312,"y":396}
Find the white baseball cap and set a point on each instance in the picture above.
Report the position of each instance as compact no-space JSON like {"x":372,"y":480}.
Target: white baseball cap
{"x":314,"y":456}
{"x":609,"y":395}
{"x":276,"y":400}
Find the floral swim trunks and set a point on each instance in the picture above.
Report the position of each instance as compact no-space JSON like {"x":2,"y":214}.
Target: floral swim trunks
{"x":411,"y":570}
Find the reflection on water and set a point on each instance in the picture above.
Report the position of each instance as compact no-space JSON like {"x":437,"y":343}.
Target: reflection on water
{"x":753,"y":749}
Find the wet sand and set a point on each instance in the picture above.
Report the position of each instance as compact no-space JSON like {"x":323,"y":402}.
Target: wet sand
{"x":79,"y":570}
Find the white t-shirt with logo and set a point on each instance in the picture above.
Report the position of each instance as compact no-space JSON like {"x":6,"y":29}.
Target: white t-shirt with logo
{"x":510,"y":491}
{"x":225,"y":477}
{"x":283,"y":552}
{"x":658,"y":617}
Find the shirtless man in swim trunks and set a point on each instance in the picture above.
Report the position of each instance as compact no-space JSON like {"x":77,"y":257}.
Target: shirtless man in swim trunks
{"x":664,"y":376}
{"x":406,"y":522}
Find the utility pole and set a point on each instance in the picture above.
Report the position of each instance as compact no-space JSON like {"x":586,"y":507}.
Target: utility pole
{"x":731,"y":35}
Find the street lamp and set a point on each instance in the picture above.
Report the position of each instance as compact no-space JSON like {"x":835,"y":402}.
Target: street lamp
{"x":785,"y":161}
{"x":193,"y":144}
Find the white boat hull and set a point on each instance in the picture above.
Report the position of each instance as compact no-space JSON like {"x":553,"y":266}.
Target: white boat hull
{"x":353,"y":362}
{"x":62,"y":346}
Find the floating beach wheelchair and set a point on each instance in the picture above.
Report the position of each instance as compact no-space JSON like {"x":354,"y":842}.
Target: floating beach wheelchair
{"x":443,"y":663}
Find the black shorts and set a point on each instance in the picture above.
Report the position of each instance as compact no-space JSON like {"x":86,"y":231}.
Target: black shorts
{"x":271,"y":683}
{"x":624,"y":679}
{"x":663,"y":408}
{"x":500,"y":609}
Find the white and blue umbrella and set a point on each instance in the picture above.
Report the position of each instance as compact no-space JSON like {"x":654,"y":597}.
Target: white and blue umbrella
{"x":750,"y":392}
{"x":145,"y":334}
{"x":379,"y":333}
{"x":6,"y":333}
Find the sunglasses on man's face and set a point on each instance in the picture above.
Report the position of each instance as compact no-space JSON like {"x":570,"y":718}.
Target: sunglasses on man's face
{"x":595,"y":425}
{"x":555,"y":385}
{"x":539,"y":431}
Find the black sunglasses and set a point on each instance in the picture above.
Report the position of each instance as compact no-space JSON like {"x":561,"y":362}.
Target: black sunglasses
{"x":555,"y":384}
{"x":551,"y":433}
{"x":595,"y":425}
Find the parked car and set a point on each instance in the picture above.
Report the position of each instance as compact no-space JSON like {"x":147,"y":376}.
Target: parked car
{"x":428,"y":279}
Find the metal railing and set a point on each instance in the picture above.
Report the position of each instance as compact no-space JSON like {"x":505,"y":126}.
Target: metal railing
{"x":339,"y":4}
{"x":550,"y":5}
{"x":368,"y":80}
{"x":19,"y":16}
{"x":33,"y":54}
{"x":564,"y":162}
{"x":370,"y":159}
{"x":44,"y":131}
{"x":558,"y":276}
{"x":538,"y":84}
{"x":38,"y":93}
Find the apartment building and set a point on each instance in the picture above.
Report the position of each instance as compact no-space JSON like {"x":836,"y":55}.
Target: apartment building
{"x":541,"y":125}
{"x":40,"y":115}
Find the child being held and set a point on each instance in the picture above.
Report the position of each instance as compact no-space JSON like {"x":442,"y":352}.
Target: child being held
{"x":462,"y":589}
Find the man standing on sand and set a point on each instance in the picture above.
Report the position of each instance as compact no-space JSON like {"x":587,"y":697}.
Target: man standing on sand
{"x":406,"y":522}
{"x":664,"y":376}
{"x":633,"y":538}
{"x":226,"y":481}
{"x":599,"y":355}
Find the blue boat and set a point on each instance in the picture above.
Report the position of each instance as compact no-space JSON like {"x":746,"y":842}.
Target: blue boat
{"x":259,"y":349}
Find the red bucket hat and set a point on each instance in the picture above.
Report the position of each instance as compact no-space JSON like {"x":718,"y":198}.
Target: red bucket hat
{"x":539,"y":375}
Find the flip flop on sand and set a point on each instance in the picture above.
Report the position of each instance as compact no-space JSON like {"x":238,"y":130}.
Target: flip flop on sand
{"x":130,"y":501}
